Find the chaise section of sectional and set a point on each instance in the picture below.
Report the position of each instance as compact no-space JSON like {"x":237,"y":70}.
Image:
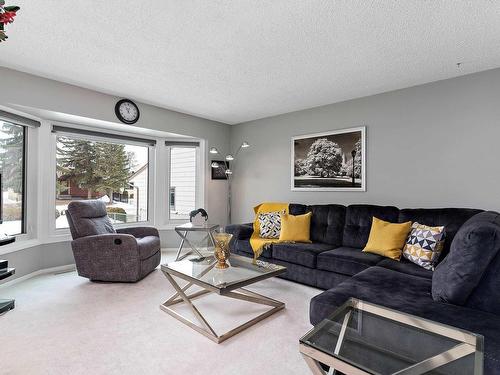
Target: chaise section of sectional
{"x":410,"y":294}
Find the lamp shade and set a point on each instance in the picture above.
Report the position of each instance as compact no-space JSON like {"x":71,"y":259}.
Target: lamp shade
{"x":229,"y":172}
{"x":245,"y":144}
{"x":229,"y":157}
{"x":215,"y":164}
{"x":213,"y":150}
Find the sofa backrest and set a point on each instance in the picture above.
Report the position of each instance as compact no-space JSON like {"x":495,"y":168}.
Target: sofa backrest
{"x":350,"y":226}
{"x":358,"y":222}
{"x":470,"y":274}
{"x":451,"y":218}
{"x":88,"y":218}
{"x":327,"y":223}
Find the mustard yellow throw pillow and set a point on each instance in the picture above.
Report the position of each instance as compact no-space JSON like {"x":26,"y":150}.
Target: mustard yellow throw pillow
{"x":295,"y":228}
{"x":387,"y":239}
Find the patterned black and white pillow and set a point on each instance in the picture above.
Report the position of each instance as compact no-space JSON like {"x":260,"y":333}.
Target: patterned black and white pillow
{"x":270,"y":224}
{"x":424,"y":245}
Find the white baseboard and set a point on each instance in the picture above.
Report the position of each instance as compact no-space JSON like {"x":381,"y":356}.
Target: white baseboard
{"x":184,"y":249}
{"x":59,"y":269}
{"x":168,"y":249}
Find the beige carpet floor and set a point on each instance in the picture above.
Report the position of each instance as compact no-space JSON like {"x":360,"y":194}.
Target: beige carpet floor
{"x":64,"y":324}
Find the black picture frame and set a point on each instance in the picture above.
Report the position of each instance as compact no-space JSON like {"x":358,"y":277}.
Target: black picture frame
{"x":219,"y":173}
{"x":341,"y":149}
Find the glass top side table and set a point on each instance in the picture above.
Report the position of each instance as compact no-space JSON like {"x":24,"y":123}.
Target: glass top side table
{"x":184,"y":229}
{"x":363,"y":338}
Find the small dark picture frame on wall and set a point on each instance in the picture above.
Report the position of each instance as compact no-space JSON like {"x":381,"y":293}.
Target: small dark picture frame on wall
{"x":219,"y":173}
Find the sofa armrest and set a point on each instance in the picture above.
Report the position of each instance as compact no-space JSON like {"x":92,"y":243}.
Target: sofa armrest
{"x":107,"y":257}
{"x":139,"y":232}
{"x":240,"y":231}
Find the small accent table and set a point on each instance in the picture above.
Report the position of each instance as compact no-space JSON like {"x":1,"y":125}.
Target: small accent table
{"x":184,"y":229}
{"x":6,"y":304}
{"x":362,"y":338}
{"x":229,"y":282}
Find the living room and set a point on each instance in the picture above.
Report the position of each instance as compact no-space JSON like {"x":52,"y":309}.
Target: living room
{"x":249,"y":187}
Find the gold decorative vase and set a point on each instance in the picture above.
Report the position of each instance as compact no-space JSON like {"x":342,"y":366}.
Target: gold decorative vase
{"x":221,"y":251}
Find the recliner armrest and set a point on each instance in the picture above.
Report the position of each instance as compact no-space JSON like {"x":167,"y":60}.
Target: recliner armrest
{"x":107,"y":257}
{"x":240,"y":231}
{"x":139,"y":232}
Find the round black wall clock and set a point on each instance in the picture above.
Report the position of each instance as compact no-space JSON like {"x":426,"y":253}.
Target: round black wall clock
{"x":127,"y":111}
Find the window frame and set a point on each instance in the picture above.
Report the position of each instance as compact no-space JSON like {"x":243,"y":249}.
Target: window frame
{"x":25,"y":225}
{"x":61,"y":233}
{"x":199,"y":175}
{"x":39,"y":175}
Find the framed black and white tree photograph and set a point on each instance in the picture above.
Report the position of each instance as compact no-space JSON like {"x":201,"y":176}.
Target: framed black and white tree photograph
{"x":330,"y":161}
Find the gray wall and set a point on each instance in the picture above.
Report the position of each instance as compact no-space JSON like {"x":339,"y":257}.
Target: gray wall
{"x":433,"y":145}
{"x":55,"y":98}
{"x":39,"y":257}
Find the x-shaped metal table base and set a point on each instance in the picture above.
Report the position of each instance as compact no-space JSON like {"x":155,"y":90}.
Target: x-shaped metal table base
{"x":204,"y":327}
{"x":183,"y":234}
{"x":314,"y":358}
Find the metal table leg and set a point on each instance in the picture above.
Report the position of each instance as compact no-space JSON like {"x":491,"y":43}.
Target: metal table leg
{"x":203,"y":326}
{"x":181,"y":245}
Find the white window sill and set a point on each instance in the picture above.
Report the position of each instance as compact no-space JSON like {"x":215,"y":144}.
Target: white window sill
{"x":22,"y":244}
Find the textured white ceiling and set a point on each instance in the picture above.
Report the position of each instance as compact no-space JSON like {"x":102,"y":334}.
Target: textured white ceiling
{"x":235,"y":61}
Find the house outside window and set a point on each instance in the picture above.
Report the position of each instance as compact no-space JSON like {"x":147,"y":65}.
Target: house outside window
{"x":183,"y":179}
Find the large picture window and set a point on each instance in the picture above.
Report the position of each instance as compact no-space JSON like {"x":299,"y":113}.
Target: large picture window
{"x":115,"y":172}
{"x":12,"y":170}
{"x":183,"y":182}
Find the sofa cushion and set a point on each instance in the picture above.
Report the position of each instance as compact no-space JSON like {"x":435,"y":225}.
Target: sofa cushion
{"x":327,"y":223}
{"x":304,"y":254}
{"x":148,"y":246}
{"x":472,"y":268}
{"x":347,"y":260}
{"x":245,"y":247}
{"x":411,"y":294}
{"x":405,"y":266}
{"x":451,"y":218}
{"x":358,"y":222}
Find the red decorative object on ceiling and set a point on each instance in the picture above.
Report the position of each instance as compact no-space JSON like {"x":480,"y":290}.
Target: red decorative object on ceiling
{"x":7,"y":14}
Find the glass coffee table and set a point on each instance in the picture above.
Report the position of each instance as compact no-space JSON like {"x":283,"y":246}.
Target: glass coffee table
{"x":228,"y":283}
{"x":363,"y":338}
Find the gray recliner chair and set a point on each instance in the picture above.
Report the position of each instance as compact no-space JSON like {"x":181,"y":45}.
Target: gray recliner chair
{"x":105,"y":254}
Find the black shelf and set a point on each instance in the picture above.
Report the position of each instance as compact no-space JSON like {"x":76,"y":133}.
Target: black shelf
{"x":7,"y":240}
{"x":6,"y":304}
{"x":6,"y":272}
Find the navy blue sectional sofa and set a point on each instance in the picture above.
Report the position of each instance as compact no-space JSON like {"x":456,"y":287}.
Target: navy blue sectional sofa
{"x":463,"y":291}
